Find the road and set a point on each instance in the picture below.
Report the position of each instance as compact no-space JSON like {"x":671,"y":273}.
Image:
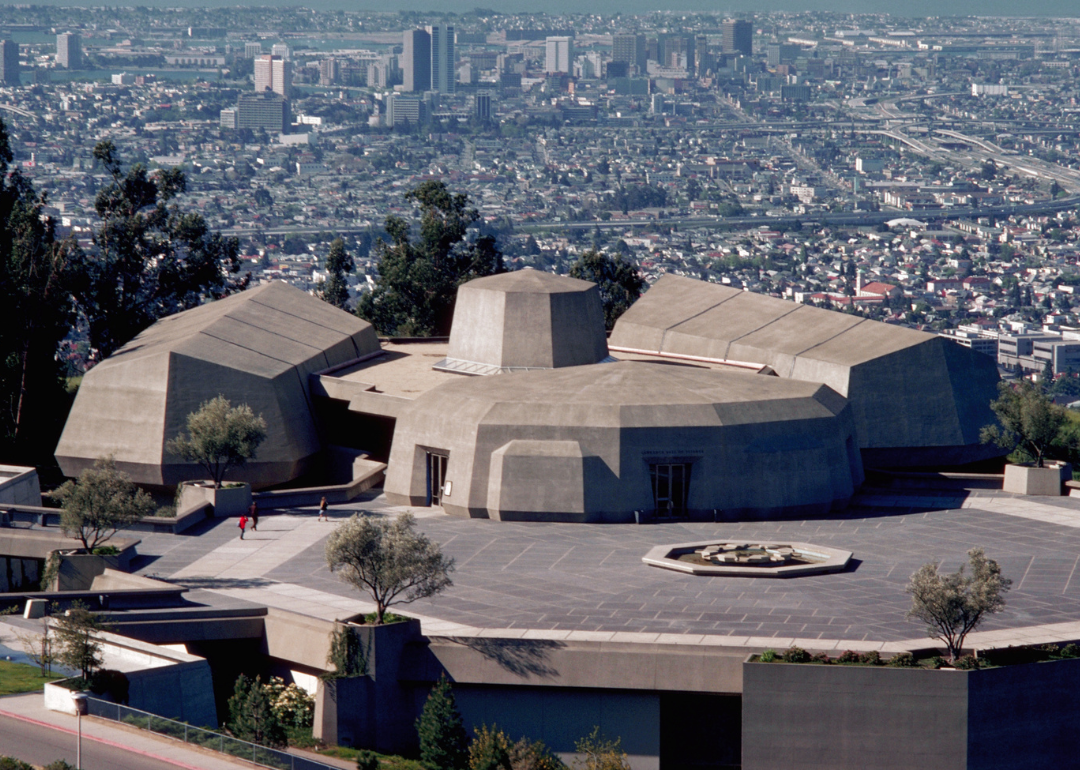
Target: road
{"x":42,"y":745}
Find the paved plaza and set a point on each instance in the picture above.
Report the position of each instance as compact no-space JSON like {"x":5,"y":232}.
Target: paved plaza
{"x":563,"y":581}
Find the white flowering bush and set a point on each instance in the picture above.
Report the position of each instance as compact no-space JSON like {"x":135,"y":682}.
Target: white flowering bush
{"x":292,"y":705}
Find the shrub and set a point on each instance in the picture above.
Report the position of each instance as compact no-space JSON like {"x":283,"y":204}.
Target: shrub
{"x":872,"y":658}
{"x":252,"y":716}
{"x":599,"y":753}
{"x":1070,"y":650}
{"x":823,"y":657}
{"x":367,"y":760}
{"x":796,"y":655}
{"x":59,"y":764}
{"x":768,"y":656}
{"x":849,"y":656}
{"x":902,"y":660}
{"x":443,"y":742}
{"x":489,"y":750}
{"x":10,"y":763}
{"x":533,"y":755}
{"x":967,"y":662}
{"x":938,"y":662}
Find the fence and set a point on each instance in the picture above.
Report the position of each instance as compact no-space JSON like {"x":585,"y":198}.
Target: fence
{"x":197,"y":736}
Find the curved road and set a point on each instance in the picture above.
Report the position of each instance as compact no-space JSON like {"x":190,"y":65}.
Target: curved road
{"x":41,"y":745}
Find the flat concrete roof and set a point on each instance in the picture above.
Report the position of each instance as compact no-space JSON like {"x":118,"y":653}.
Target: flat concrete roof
{"x":403,"y":369}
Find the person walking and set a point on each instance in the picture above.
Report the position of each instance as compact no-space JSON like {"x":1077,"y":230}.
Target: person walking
{"x":322,"y":510}
{"x":243,"y":525}
{"x":253,"y":514}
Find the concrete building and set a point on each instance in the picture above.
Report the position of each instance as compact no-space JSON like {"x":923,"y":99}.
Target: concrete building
{"x":559,"y":55}
{"x":252,"y":50}
{"x":482,"y":105}
{"x":9,"y":63}
{"x":257,"y":347}
{"x":273,"y":73}
{"x":443,"y":58}
{"x":404,"y":110}
{"x":738,"y":37}
{"x":69,"y":51}
{"x":416,"y":61}
{"x":266,"y":110}
{"x":631,"y":49}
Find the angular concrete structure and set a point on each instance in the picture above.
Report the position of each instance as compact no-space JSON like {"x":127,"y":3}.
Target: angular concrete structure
{"x":257,"y":347}
{"x":597,"y":443}
{"x":917,"y":399}
{"x":525,"y":320}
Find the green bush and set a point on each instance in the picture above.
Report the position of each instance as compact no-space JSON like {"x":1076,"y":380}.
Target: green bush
{"x":106,"y":550}
{"x":489,"y":750}
{"x":768,"y":656}
{"x":967,"y":662}
{"x":1070,"y":650}
{"x":938,"y":662}
{"x":367,"y":760}
{"x":872,"y":658}
{"x":901,"y":660}
{"x":849,"y":656}
{"x":59,"y":764}
{"x":796,"y":655}
{"x":823,"y":658}
{"x":443,"y":742}
{"x":10,"y":763}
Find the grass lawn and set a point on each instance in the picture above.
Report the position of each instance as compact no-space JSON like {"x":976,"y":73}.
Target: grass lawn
{"x":386,"y":761}
{"x":18,"y":677}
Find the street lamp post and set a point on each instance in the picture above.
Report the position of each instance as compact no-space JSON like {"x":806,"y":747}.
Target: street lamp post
{"x":80,"y":708}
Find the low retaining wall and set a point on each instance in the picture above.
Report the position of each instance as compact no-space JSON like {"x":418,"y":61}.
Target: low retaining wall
{"x":372,"y":475}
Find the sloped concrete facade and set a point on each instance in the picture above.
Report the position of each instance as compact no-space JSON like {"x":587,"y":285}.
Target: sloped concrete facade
{"x":257,"y":347}
{"x":917,"y":399}
{"x":525,"y":320}
{"x":581,"y":444}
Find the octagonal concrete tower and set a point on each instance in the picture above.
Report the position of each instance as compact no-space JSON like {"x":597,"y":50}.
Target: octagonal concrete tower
{"x":525,"y":320}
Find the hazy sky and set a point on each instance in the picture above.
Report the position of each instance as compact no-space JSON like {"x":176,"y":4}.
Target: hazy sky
{"x":1070,"y":8}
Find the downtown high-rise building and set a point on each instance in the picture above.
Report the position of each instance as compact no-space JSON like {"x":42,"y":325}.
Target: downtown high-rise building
{"x":443,"y":58}
{"x":738,"y":37}
{"x":559,"y":55}
{"x":69,"y":51}
{"x":631,"y":49}
{"x":272,"y":73}
{"x":9,"y":63}
{"x":416,"y":61}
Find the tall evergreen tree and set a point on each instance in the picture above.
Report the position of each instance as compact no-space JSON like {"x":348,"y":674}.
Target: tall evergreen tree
{"x":619,"y":282}
{"x":339,"y":263}
{"x":418,"y":279}
{"x":251,"y":714}
{"x":443,"y":742}
{"x":37,"y":273}
{"x":150,"y":259}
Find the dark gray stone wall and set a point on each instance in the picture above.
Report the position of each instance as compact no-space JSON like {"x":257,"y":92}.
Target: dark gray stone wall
{"x":811,"y":717}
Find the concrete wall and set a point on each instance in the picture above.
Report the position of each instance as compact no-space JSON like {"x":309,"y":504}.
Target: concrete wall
{"x":19,"y":485}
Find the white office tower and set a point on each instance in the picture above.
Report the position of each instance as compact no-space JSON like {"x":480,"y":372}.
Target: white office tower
{"x":443,"y":58}
{"x":69,"y":51}
{"x":282,"y":50}
{"x":560,"y":55}
{"x":272,"y":73}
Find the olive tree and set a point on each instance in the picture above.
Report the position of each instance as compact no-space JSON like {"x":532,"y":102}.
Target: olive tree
{"x":220,"y":436}
{"x":100,"y":502}
{"x":77,"y":642}
{"x":1028,"y":421}
{"x":953,"y":605}
{"x":389,"y":560}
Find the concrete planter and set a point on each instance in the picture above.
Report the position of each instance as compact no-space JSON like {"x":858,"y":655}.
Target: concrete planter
{"x":373,"y":711}
{"x":1029,"y":480}
{"x":231,"y":500}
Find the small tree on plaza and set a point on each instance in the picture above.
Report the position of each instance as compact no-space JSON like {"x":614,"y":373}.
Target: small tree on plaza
{"x":76,"y":641}
{"x":953,"y":605}
{"x":219,"y":437}
{"x":389,"y":560}
{"x":100,"y":502}
{"x":1028,"y":421}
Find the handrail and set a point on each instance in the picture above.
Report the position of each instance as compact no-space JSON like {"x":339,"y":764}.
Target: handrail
{"x":263,"y":756}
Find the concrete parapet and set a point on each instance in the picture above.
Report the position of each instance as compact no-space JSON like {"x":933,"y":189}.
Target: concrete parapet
{"x":1028,"y":480}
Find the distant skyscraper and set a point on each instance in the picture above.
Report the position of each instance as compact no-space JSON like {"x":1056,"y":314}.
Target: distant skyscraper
{"x":416,"y":61}
{"x":251,"y":50}
{"x":9,"y":63}
{"x":272,"y":73}
{"x":738,"y":37}
{"x":483,"y":105}
{"x":69,"y":51}
{"x":328,"y":71}
{"x":560,"y":55}
{"x":443,"y":59}
{"x":267,"y":111}
{"x":282,"y":50}
{"x":631,"y":49}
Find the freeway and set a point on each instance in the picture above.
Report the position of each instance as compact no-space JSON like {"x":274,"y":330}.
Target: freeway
{"x":41,"y":745}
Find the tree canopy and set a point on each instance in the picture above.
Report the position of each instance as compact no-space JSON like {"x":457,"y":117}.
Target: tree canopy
{"x":1028,"y":421}
{"x":443,"y":741}
{"x":389,"y":560}
{"x":100,"y":502}
{"x":150,"y":260}
{"x":416,"y":289}
{"x":619,"y":282}
{"x":953,"y":605}
{"x":339,"y":263}
{"x":220,"y":436}
{"x":37,"y":275}
{"x":77,"y":645}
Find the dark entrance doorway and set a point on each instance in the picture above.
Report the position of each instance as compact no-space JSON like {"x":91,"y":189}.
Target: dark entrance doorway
{"x":671,"y":488}
{"x":436,"y":477}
